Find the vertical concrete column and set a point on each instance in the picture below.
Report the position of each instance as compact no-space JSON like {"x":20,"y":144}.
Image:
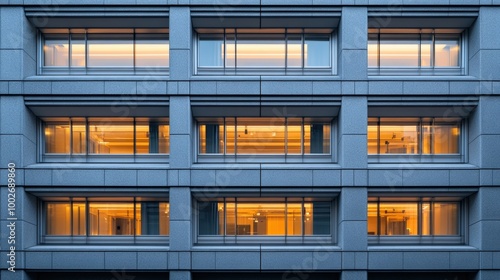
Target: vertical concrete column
{"x":17,"y":48}
{"x":181,"y":41}
{"x":484,"y":219}
{"x":353,"y":34}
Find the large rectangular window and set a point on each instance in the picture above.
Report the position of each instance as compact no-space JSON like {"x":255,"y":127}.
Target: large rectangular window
{"x":105,"y":51}
{"x":106,"y":217}
{"x":414,"y":136}
{"x":415,"y":52}
{"x":274,"y":51}
{"x":106,"y":136}
{"x":264,"y":136}
{"x":265,"y":217}
{"x":412,"y":217}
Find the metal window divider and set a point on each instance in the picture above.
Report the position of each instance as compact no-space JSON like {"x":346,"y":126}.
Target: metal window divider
{"x":86,"y":51}
{"x":302,"y":135}
{"x":70,"y":53}
{"x":70,"y":137}
{"x":134,"y":137}
{"x":286,"y":136}
{"x":87,"y":137}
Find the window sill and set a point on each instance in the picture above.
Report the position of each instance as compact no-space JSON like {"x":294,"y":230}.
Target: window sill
{"x":415,"y":240}
{"x":415,"y":159}
{"x":147,"y":158}
{"x":205,"y":158}
{"x":105,"y":240}
{"x":262,"y":240}
{"x":136,"y":78}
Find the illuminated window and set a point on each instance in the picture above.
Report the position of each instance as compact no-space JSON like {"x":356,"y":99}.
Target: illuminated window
{"x":414,"y":136}
{"x":126,"y":136}
{"x":101,"y":51}
{"x":249,"y":136}
{"x":415,"y":51}
{"x":280,"y":51}
{"x":106,"y":218}
{"x":265,"y":217}
{"x":390,"y":216}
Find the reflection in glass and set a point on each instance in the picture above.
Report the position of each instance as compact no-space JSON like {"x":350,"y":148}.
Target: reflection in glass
{"x":55,"y":50}
{"x":447,"y":50}
{"x":151,"y":50}
{"x":373,"y":50}
{"x":398,"y":50}
{"x":265,"y":136}
{"x":242,"y":48}
{"x":115,"y":137}
{"x":78,"y":50}
{"x":264,"y":218}
{"x":402,"y":135}
{"x":107,"y":136}
{"x":403,"y":218}
{"x":110,"y":50}
{"x":113,"y":218}
{"x":58,"y":216}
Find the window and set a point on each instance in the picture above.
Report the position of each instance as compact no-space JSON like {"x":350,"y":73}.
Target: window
{"x":264,"y":136}
{"x":415,"y":52}
{"x":411,"y":216}
{"x":86,"y":217}
{"x":105,"y":51}
{"x":414,"y":136}
{"x":265,"y":217}
{"x":274,"y":51}
{"x":105,"y":136}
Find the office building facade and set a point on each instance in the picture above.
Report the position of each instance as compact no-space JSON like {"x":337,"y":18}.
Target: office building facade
{"x":259,"y":139}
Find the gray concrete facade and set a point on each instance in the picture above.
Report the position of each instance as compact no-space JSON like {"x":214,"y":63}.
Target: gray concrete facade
{"x":350,"y":177}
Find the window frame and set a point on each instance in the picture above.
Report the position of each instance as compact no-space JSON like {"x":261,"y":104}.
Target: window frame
{"x":330,"y":70}
{"x":90,"y":157}
{"x":460,"y":70}
{"x":421,"y":239}
{"x":46,"y":239}
{"x":460,"y":157}
{"x":271,"y":158}
{"x":86,"y":70}
{"x":322,"y":239}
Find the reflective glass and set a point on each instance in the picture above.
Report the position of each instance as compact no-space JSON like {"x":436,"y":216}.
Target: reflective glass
{"x":445,"y":220}
{"x":111,"y":137}
{"x":294,"y":50}
{"x":58,"y":217}
{"x":260,"y":50}
{"x":447,"y":50}
{"x":373,"y":50}
{"x":152,"y":218}
{"x":79,"y":219}
{"x":151,"y":50}
{"x":57,"y":137}
{"x":111,"y":218}
{"x":211,"y":50}
{"x":399,"y":50}
{"x":317,"y":50}
{"x":110,"y":50}
{"x":77,"y":50}
{"x":56,"y":50}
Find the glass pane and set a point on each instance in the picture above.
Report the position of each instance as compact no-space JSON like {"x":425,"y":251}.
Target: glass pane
{"x":317,"y":50}
{"x":79,"y":221}
{"x":426,"y":218}
{"x":211,"y":50}
{"x":113,"y":218}
{"x":398,"y":138}
{"x":445,"y":218}
{"x":261,"y":219}
{"x":58,"y":219}
{"x":426,"y":136}
{"x":57,"y":137}
{"x":77,"y":50}
{"x":373,"y":138}
{"x":230,"y":135}
{"x":260,"y":50}
{"x":294,"y":50}
{"x":446,"y":138}
{"x":163,"y":138}
{"x":230,"y":217}
{"x":372,"y":218}
{"x":55,"y":50}
{"x":320,"y":218}
{"x":398,"y":218}
{"x":151,"y":50}
{"x":143,"y":136}
{"x":79,"y":137}
{"x":372,"y":50}
{"x":425,"y":50}
{"x":294,"y":136}
{"x":211,"y":218}
{"x":294,"y":219}
{"x":110,"y":50}
{"x":316,"y":138}
{"x":447,"y":50}
{"x":152,"y":218}
{"x":230,"y":51}
{"x":399,"y":50}
{"x":212,"y":137}
{"x":111,"y":137}
{"x":261,"y":136}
